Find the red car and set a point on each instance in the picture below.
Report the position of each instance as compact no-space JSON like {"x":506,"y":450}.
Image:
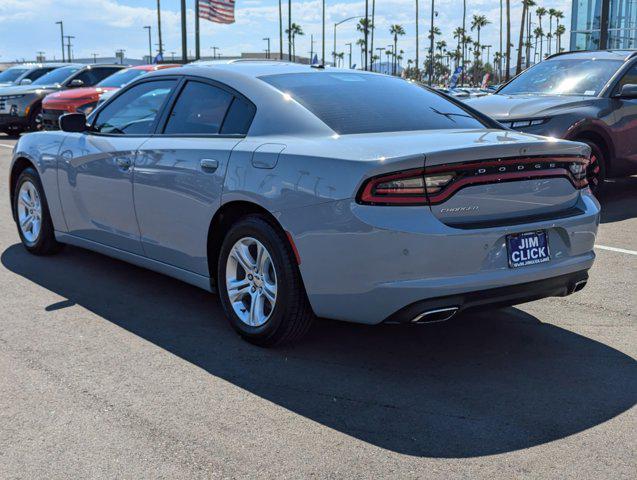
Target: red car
{"x":85,"y":99}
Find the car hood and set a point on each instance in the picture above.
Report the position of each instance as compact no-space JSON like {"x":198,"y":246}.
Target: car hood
{"x":27,"y":89}
{"x":512,"y":107}
{"x":76,"y":93}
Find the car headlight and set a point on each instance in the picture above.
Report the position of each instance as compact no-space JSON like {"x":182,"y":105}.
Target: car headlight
{"x":10,"y":97}
{"x":87,"y":108}
{"x":531,"y":122}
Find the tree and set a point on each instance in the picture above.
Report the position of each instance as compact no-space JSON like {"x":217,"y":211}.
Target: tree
{"x":364,"y":26}
{"x":477,"y":23}
{"x":540,"y":12}
{"x":508,"y":49}
{"x":552,"y":13}
{"x":296,"y":30}
{"x":518,"y":65}
{"x":559,"y":31}
{"x":396,"y":30}
{"x":558,"y":14}
{"x":361,"y":43}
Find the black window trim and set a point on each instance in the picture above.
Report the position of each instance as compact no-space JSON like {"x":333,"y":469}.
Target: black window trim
{"x":613,"y":90}
{"x":153,"y":130}
{"x":163,"y":118}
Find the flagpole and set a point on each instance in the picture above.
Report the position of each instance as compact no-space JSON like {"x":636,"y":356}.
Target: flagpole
{"x":197,"y":49}
{"x":184,"y":45}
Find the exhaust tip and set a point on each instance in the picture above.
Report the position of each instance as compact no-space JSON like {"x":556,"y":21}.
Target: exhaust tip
{"x":577,"y":286}
{"x":437,"y":315}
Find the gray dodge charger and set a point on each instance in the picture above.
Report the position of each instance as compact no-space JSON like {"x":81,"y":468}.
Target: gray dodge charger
{"x":296,"y":192}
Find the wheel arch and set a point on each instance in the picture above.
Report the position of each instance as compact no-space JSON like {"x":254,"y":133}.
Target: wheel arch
{"x":20,"y":164}
{"x":599,"y":137}
{"x":225,"y":217}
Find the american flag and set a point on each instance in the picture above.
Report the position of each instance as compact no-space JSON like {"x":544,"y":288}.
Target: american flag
{"x":218,"y":11}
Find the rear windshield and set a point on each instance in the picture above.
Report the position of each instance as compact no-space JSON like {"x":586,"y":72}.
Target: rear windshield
{"x":352,"y":103}
{"x":121,"y":78}
{"x":12,"y":74}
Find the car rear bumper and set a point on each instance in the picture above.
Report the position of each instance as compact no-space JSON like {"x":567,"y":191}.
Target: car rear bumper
{"x":365,"y":263}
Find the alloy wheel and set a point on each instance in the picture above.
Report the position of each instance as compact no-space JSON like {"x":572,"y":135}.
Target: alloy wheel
{"x":29,"y":212}
{"x":251,"y":281}
{"x":593,"y":172}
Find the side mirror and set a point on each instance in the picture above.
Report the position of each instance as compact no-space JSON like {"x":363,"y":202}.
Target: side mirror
{"x":628,"y":91}
{"x":73,"y":122}
{"x":26,"y":81}
{"x":76,"y":82}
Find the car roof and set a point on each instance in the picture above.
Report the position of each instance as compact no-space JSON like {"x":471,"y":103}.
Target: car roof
{"x":253,"y":68}
{"x":597,"y":54}
{"x":152,"y":68}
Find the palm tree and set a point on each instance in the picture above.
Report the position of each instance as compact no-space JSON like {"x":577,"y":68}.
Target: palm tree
{"x":340,"y":57}
{"x":464,"y":31}
{"x":417,"y":1}
{"x":538,"y":33}
{"x":540,"y":12}
{"x":558,"y":14}
{"x":458,"y":34}
{"x":507,"y":75}
{"x":361,"y":43}
{"x":477,"y":23}
{"x":552,"y":13}
{"x":295,"y":29}
{"x":396,"y":30}
{"x":559,"y":31}
{"x":527,"y":44}
{"x":364,"y":26}
{"x":518,"y":65}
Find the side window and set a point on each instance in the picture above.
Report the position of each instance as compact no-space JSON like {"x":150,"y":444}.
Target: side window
{"x":135,"y":110}
{"x":200,"y":109}
{"x":239,"y":117}
{"x":100,"y":74}
{"x":629,"y":78}
{"x":35,"y":74}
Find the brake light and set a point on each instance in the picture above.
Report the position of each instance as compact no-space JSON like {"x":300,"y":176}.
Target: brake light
{"x":436,"y":184}
{"x":409,"y":187}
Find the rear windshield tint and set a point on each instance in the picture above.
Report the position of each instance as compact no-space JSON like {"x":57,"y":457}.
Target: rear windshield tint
{"x":352,"y":103}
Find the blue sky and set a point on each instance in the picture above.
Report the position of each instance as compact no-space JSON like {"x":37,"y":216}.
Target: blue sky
{"x":103,"y":26}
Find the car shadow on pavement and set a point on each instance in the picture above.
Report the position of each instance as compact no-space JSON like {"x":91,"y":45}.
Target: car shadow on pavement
{"x":619,"y":199}
{"x":484,"y":384}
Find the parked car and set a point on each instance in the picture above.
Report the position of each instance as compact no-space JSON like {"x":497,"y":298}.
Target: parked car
{"x":85,"y":99}
{"x":20,"y":106}
{"x":295,"y":191}
{"x":26,"y":73}
{"x":586,"y":96}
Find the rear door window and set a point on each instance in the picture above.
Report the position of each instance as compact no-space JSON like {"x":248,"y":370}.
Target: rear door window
{"x":200,"y":109}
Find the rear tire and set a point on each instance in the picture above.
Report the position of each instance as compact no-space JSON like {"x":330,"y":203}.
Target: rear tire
{"x":596,"y":170}
{"x":267,"y":304}
{"x":31,"y":212}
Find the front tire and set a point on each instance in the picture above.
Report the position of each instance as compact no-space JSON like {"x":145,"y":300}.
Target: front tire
{"x":260,"y":286}
{"x":596,"y":170}
{"x":32,"y":216}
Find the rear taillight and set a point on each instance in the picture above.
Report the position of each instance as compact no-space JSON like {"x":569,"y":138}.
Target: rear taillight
{"x":409,"y":187}
{"x":436,"y":184}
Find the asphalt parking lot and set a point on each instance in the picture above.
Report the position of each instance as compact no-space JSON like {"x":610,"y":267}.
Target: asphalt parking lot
{"x":111,"y":371}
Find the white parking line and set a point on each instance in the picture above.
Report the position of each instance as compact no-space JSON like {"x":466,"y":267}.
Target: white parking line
{"x":615,"y":249}
{"x":5,"y":145}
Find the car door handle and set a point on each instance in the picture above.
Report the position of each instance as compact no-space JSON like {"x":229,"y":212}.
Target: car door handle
{"x":209,"y":164}
{"x":123,"y":163}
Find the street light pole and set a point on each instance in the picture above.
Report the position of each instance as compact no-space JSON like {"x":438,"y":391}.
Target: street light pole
{"x":62,"y":38}
{"x":323,"y":38}
{"x":161,"y":47}
{"x":289,"y":30}
{"x":68,"y":46}
{"x":150,"y":45}
{"x":184,"y":45}
{"x":336,"y":25}
{"x":267,"y":52}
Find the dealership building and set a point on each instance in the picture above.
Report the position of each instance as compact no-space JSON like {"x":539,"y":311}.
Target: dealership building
{"x":601,"y":24}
